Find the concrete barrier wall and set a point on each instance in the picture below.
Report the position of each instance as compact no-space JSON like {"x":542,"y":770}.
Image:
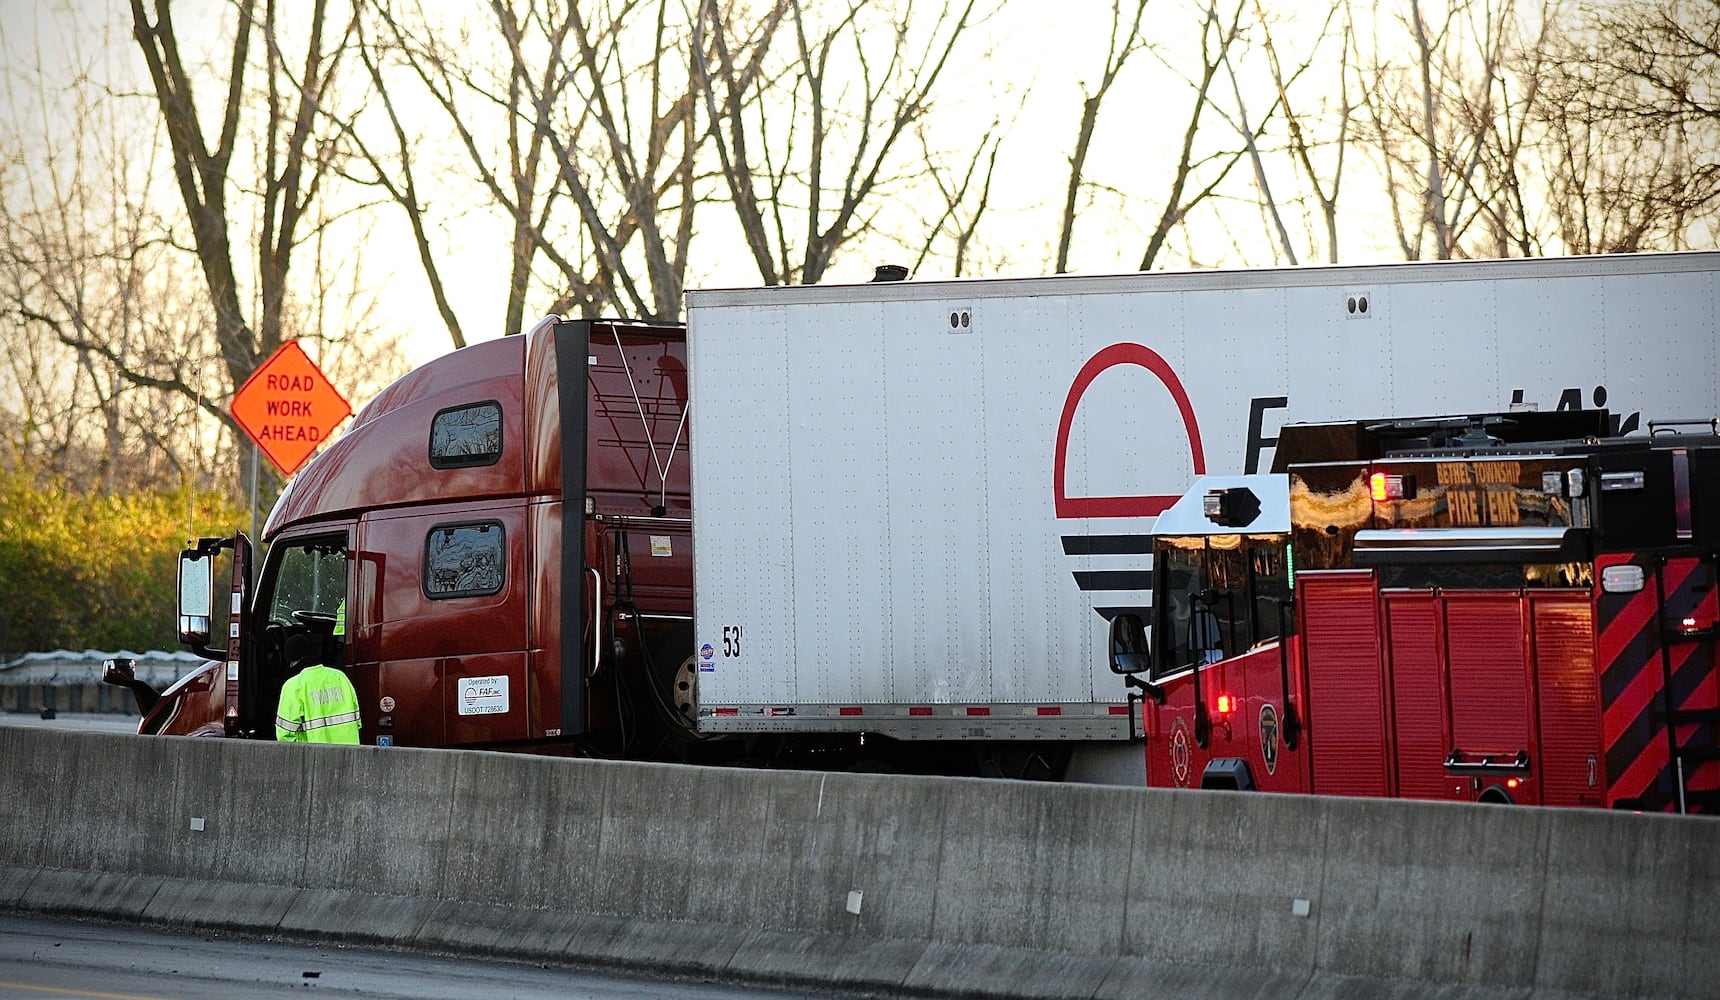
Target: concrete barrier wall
{"x":1014,"y":888}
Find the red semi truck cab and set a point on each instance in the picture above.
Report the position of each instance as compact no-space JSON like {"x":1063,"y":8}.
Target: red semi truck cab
{"x":1502,"y":608}
{"x":497,"y":552}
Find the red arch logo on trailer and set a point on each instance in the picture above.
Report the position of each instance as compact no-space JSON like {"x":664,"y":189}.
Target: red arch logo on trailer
{"x":1132,"y":506}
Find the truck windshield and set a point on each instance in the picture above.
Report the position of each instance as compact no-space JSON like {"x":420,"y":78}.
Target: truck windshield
{"x":1217,"y":596}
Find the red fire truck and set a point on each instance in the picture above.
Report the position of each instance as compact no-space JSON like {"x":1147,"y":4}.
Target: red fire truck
{"x":1509,"y":608}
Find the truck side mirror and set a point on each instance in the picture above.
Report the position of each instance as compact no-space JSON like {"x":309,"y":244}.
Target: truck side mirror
{"x":1129,"y":651}
{"x":196,"y":594}
{"x":122,"y":672}
{"x":119,"y":670}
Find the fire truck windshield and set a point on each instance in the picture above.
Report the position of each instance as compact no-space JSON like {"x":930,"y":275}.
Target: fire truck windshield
{"x":1217,"y":596}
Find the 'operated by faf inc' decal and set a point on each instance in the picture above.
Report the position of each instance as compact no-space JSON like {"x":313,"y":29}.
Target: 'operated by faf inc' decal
{"x":483,"y":695}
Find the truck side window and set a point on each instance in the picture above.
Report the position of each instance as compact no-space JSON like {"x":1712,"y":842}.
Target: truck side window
{"x":464,"y":560}
{"x":1178,"y":576}
{"x":1269,"y":573}
{"x":465,"y":436}
{"x":1226,"y":597}
{"x":309,"y":578}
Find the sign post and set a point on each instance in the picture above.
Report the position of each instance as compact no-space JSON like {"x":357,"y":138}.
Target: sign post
{"x":288,"y":407}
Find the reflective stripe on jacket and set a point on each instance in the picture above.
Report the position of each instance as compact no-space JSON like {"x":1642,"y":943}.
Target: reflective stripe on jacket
{"x":318,"y":705}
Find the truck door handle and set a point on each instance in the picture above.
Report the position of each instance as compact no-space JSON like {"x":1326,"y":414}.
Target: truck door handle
{"x":1457,"y":762}
{"x":596,"y":619}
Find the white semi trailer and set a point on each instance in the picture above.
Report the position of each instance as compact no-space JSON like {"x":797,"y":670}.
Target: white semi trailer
{"x":917,"y":504}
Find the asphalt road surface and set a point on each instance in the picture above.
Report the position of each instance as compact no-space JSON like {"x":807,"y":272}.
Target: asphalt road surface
{"x":82,"y":722}
{"x":43,"y":959}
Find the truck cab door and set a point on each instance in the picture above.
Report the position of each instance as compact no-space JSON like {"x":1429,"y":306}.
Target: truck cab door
{"x":303,"y":591}
{"x":217,"y":698}
{"x":441,"y":644}
{"x":241,"y":646}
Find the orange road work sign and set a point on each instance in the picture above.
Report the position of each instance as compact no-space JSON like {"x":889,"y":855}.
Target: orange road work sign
{"x":288,"y":407}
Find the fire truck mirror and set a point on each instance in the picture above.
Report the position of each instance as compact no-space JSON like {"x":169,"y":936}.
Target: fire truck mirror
{"x":1129,"y":651}
{"x":196,"y":587}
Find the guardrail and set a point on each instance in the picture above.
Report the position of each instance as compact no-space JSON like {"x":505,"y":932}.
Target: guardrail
{"x":902,"y":885}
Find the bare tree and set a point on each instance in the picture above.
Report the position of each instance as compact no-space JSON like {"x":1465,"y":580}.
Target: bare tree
{"x":1451,"y":122}
{"x":812,"y":107}
{"x":294,"y":156}
{"x":1182,"y":57}
{"x":152,"y":262}
{"x":1125,"y":39}
{"x":1671,"y":48}
{"x":1303,"y":134}
{"x":1529,"y":129}
{"x":91,"y":288}
{"x":1218,"y":33}
{"x":961,"y":204}
{"x":391,"y":164}
{"x":592,"y":107}
{"x":1628,"y":126}
{"x":473,"y":85}
{"x":632,"y":185}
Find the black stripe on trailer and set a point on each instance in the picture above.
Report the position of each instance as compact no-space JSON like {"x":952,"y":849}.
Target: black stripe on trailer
{"x":1107,"y":545}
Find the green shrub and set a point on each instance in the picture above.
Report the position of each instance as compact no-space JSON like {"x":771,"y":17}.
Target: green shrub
{"x":91,"y":570}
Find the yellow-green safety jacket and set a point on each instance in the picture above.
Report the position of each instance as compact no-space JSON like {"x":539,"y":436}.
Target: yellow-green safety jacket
{"x":318,"y":705}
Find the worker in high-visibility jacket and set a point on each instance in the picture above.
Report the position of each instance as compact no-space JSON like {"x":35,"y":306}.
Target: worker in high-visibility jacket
{"x":339,"y":645}
{"x":318,"y":704}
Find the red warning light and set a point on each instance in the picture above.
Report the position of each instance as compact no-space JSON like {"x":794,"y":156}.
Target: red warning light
{"x":1226,"y":704}
{"x":1383,"y":487}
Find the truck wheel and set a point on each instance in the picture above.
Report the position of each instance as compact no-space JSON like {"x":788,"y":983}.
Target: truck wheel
{"x":684,"y":690}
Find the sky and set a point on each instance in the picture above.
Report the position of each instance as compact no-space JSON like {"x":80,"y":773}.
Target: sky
{"x":1024,"y":65}
{"x":1035,"y":71}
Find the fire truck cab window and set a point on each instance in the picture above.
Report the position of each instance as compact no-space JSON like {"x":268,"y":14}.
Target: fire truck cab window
{"x":1187,"y":633}
{"x":1220,"y":595}
{"x":1269,"y":576}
